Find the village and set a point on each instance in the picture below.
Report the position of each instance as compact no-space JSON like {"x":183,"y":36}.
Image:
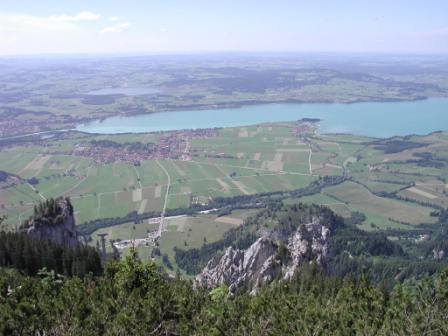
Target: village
{"x":172,"y":145}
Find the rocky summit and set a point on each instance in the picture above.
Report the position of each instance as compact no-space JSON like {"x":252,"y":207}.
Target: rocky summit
{"x":267,"y":259}
{"x":53,"y":220}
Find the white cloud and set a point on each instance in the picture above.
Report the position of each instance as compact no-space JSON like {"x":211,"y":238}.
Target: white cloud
{"x":66,"y":33}
{"x":21,"y":23}
{"x":81,"y":16}
{"x":117,"y":28}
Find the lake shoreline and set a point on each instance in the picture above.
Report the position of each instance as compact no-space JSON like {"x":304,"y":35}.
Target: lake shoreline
{"x":217,"y":107}
{"x":237,"y":105}
{"x":374,"y":119}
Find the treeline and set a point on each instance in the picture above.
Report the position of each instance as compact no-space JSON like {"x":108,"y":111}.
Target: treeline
{"x":29,"y":255}
{"x":389,"y":261}
{"x":132,"y":298}
{"x":391,"y":146}
{"x":3,"y":176}
{"x":89,"y":227}
{"x":290,"y":217}
{"x":266,"y":198}
{"x":50,"y":212}
{"x":254,"y":201}
{"x":136,"y":146}
{"x":356,"y":242}
{"x":385,"y":271}
{"x":427,"y":159}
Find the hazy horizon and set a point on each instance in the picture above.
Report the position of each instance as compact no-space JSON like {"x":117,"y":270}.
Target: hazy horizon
{"x":102,"y":27}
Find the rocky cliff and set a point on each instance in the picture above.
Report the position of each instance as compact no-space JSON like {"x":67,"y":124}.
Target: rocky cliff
{"x":267,"y":259}
{"x":53,"y":220}
{"x":438,"y":254}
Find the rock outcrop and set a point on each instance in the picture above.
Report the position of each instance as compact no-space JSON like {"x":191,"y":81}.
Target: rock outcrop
{"x":252,"y":267}
{"x":267,"y":259}
{"x":310,"y":240}
{"x":53,"y":220}
{"x":438,"y":254}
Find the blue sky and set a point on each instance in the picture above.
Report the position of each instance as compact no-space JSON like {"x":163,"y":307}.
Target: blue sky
{"x":172,"y":26}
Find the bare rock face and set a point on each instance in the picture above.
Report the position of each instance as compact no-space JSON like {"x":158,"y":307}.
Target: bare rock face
{"x":252,"y":267}
{"x":310,"y":240}
{"x":438,"y":254}
{"x":59,"y":228}
{"x":266,"y":260}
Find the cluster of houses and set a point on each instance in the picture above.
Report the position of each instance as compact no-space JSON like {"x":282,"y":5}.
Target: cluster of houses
{"x":305,"y":127}
{"x":377,"y":168}
{"x":171,"y":145}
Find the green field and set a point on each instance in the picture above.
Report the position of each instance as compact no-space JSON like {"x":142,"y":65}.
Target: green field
{"x":359,"y":198}
{"x":398,"y":190}
{"x":246,"y":160}
{"x":184,"y":231}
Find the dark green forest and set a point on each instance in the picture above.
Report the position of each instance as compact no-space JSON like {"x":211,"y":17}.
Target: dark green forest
{"x":28,"y":255}
{"x":371,"y":286}
{"x":132,"y":298}
{"x":352,"y":250}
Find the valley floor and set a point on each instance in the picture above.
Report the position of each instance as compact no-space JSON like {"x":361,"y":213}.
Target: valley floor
{"x":398,"y":185}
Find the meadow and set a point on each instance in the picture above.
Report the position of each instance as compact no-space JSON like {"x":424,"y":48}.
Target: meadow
{"x":395,"y":191}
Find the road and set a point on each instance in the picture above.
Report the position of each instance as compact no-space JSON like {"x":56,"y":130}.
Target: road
{"x":162,"y":217}
{"x":309,"y":161}
{"x":35,"y":190}
{"x":138,"y":177}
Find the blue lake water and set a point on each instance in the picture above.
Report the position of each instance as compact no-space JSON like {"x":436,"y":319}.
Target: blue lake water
{"x":377,"y":119}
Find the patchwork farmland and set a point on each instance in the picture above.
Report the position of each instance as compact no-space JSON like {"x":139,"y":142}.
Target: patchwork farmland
{"x":397,"y":190}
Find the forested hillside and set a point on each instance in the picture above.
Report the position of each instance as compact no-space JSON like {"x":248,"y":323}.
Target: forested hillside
{"x":352,"y":250}
{"x":370,"y":285}
{"x":29,"y":255}
{"x":47,"y":241}
{"x":135,"y":299}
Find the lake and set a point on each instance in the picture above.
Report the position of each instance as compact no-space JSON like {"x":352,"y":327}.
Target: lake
{"x":377,"y":119}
